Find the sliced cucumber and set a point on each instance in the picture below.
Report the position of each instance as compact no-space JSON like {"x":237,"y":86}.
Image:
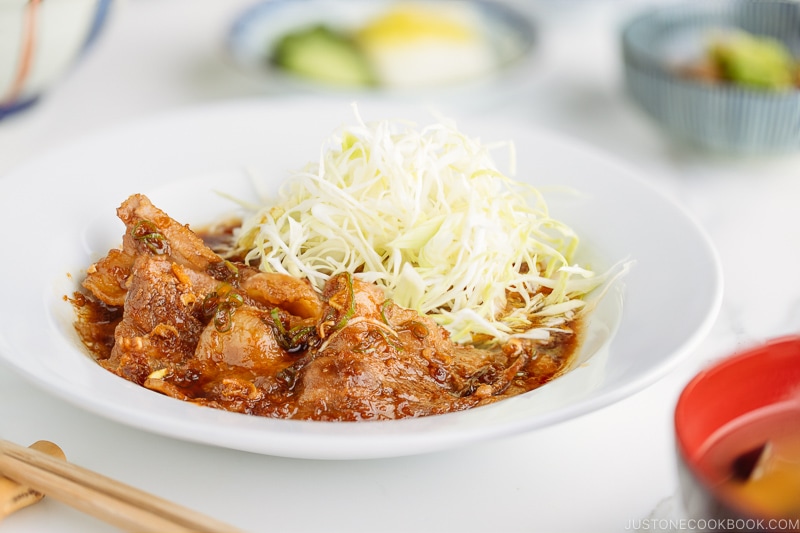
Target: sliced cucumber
{"x":324,"y":55}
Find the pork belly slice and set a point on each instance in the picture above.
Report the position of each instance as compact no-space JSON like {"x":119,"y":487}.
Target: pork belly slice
{"x":233,"y":368}
{"x":294,"y":295}
{"x":162,"y":319}
{"x":149,"y":231}
{"x":380,"y":361}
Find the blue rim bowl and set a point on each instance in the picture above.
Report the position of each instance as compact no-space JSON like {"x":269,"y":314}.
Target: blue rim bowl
{"x":719,"y":117}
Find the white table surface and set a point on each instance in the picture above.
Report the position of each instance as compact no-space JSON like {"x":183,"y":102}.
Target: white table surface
{"x":606,"y":471}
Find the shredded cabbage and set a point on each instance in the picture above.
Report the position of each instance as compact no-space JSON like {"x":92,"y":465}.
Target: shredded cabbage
{"x":425,"y":213}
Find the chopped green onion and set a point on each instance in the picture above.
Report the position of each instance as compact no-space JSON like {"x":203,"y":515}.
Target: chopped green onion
{"x":221,"y":304}
{"x":351,"y":298}
{"x":148,"y":234}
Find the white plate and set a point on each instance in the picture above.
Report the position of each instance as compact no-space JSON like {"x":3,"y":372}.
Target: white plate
{"x":59,"y":215}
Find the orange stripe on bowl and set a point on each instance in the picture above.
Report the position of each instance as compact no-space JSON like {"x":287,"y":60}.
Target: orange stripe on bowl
{"x":26,"y":55}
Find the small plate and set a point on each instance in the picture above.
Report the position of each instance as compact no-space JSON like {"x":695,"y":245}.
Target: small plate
{"x":509,"y":34}
{"x":59,"y":215}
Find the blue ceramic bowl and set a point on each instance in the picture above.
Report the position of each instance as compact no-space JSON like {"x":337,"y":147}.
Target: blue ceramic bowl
{"x":40,"y":41}
{"x":721,"y":117}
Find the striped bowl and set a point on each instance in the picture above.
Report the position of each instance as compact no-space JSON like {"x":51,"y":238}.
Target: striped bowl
{"x":40,"y":40}
{"x":719,"y":117}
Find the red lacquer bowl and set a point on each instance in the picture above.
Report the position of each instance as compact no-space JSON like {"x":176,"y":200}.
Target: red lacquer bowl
{"x":738,"y":390}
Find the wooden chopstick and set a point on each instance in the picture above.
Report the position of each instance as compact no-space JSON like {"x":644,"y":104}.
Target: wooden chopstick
{"x":111,"y":501}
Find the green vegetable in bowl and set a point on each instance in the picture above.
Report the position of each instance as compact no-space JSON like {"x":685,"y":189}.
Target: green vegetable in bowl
{"x":754,"y":61}
{"x":322,"y":54}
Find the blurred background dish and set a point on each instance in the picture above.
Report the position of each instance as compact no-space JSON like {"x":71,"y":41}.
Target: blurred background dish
{"x":719,"y":75}
{"x":39,"y":43}
{"x":370,"y":46}
{"x":738,"y":440}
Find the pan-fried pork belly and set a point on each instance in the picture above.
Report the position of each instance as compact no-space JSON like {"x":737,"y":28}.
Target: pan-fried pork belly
{"x":168,"y":313}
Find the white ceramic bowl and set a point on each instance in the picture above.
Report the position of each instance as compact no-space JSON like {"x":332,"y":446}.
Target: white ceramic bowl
{"x":39,"y":42}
